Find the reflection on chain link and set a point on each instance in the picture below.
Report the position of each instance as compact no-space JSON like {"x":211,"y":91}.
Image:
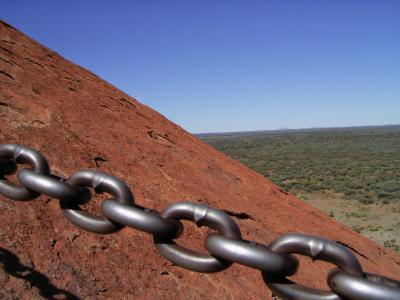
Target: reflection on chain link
{"x":276,"y":261}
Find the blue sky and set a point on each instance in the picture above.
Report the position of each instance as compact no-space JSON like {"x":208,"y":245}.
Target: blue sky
{"x":214,"y":66}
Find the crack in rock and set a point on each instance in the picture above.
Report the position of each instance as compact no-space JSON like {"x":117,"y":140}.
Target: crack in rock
{"x":123,"y":100}
{"x":7,"y":61}
{"x":240,"y":216}
{"x":353,"y":249}
{"x":98,"y":159}
{"x":7,"y":74}
{"x":34,"y":62}
{"x":159,"y":136}
{"x":106,"y":107}
{"x":6,"y":50}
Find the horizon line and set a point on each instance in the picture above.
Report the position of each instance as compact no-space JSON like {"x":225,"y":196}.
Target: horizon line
{"x":283,"y":129}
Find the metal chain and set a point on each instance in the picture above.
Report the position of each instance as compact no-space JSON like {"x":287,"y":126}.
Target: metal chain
{"x":226,"y":247}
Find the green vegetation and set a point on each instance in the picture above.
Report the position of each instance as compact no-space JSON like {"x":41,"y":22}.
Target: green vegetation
{"x":362,"y":163}
{"x":392,"y":244}
{"x":353,"y":174}
{"x":358,"y":228}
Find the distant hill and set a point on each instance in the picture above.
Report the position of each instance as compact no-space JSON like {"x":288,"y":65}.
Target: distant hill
{"x":287,"y":130}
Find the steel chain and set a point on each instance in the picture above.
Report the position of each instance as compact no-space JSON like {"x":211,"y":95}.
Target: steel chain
{"x":203,"y":216}
{"x":275,"y":261}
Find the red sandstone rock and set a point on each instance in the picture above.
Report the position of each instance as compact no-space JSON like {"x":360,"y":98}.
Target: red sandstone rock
{"x":72,"y":116}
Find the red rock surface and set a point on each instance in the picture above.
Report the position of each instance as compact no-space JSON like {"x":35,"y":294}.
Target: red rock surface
{"x":72,"y":116}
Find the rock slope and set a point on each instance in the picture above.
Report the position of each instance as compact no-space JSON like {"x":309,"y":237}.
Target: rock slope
{"x":77,"y":120}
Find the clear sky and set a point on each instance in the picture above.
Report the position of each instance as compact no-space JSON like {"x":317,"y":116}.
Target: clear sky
{"x":214,"y":66}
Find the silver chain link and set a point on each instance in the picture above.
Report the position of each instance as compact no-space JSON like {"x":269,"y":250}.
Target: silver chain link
{"x":275,"y":261}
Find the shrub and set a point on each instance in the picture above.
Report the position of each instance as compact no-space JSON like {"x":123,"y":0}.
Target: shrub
{"x":366,"y":201}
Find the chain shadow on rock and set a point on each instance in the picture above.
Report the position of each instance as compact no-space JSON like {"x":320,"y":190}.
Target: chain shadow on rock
{"x":12,"y":265}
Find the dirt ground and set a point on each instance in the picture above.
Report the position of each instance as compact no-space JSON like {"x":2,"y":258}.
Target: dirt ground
{"x":377,"y":221}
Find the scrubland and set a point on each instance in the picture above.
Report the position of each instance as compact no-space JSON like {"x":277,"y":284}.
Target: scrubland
{"x":353,"y":174}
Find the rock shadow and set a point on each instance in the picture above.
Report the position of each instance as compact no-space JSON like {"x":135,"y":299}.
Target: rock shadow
{"x":12,"y":265}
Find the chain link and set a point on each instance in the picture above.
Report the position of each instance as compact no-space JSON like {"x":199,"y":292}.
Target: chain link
{"x":368,"y":287}
{"x":52,"y":186}
{"x":276,"y":261}
{"x":251,"y":254}
{"x":203,"y":216}
{"x":102,"y":183}
{"x":140,"y":218}
{"x":318,"y":249}
{"x":21,"y":155}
